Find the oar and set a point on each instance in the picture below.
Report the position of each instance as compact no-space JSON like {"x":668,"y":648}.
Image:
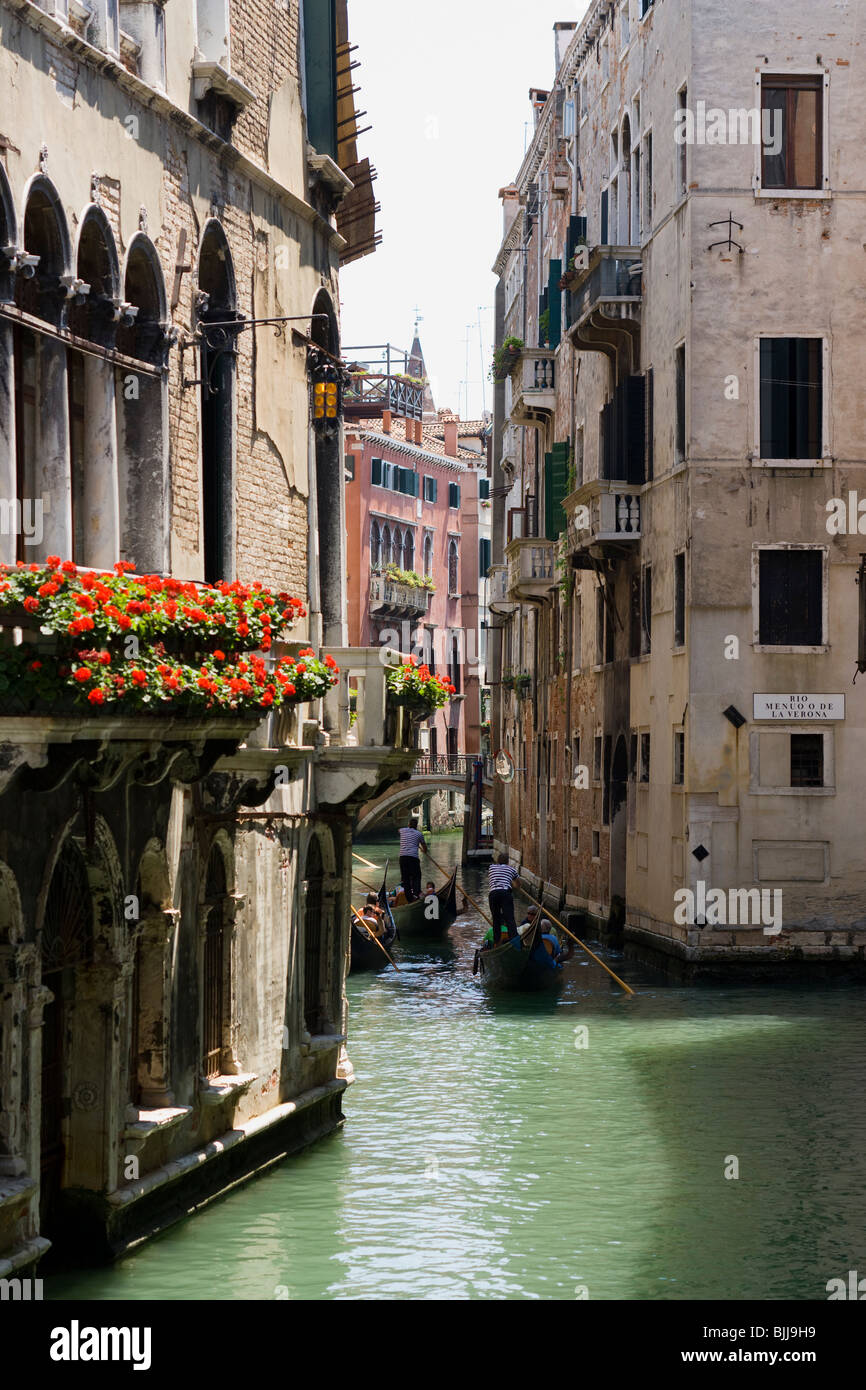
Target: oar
{"x":548,"y":913}
{"x":363,"y":860}
{"x":478,"y":908}
{"x":375,"y":938}
{"x":364,"y":884}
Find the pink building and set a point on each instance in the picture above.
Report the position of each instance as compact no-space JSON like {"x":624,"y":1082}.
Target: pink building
{"x":412,"y":506}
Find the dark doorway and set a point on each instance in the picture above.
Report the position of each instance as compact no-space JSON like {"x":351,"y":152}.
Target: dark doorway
{"x":329,"y":487}
{"x":213,"y":978}
{"x":67,"y":934}
{"x":618,"y":819}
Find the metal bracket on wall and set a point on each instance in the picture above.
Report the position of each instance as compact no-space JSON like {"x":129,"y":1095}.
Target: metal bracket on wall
{"x":729,"y":245}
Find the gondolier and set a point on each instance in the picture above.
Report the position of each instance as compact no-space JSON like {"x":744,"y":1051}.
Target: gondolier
{"x":502,"y":877}
{"x":411,"y":843}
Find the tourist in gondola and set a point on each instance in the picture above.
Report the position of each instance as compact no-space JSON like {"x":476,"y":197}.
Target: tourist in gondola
{"x":374,"y":916}
{"x":547,"y":949}
{"x":411,"y":844}
{"x":502,"y":876}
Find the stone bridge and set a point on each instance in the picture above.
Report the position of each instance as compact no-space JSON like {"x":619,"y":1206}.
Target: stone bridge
{"x":446,"y":772}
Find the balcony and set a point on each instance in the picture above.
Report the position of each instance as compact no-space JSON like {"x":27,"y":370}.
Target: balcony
{"x":533,"y":388}
{"x":382,"y":378}
{"x":603,"y":517}
{"x":531,"y":574}
{"x":391,"y":599}
{"x":604,"y":308}
{"x":498,"y":599}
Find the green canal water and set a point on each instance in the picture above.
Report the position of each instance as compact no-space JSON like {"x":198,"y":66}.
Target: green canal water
{"x":486,"y":1155}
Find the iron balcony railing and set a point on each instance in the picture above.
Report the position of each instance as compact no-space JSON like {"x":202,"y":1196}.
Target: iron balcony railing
{"x":615,"y":275}
{"x":452,"y":765}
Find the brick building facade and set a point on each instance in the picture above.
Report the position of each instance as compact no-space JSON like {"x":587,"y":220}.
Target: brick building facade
{"x":174,"y":892}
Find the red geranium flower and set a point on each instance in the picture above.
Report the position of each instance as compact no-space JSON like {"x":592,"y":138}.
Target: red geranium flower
{"x":96,"y":697}
{"x":32,"y":605}
{"x":83,"y":673}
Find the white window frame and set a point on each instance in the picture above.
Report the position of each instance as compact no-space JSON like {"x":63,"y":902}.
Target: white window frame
{"x":819,"y":649}
{"x":813,"y":193}
{"x":826,"y":459}
{"x":829,"y":787}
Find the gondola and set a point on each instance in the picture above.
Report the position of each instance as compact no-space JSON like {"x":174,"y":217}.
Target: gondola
{"x":366,"y":955}
{"x":511,"y":967}
{"x":416,"y":919}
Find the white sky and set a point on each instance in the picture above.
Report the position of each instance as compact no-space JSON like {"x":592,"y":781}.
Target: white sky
{"x":446,"y":90}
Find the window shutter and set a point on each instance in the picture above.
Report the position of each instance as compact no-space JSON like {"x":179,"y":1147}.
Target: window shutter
{"x":554,"y":300}
{"x":454,"y":495}
{"x":555,"y":487}
{"x":484,"y":489}
{"x":604,"y":204}
{"x":484,"y":557}
{"x":320,"y":54}
{"x":376,"y":472}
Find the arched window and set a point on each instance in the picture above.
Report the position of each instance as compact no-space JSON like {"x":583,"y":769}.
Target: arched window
{"x":624,"y":180}
{"x":386,"y":545}
{"x":215,"y":991}
{"x":428,"y":554}
{"x":42,"y":405}
{"x":375,"y":545}
{"x":408,"y":551}
{"x":216,"y":305}
{"x":453,"y":578}
{"x":329,"y":489}
{"x":91,"y":389}
{"x":142,"y":413}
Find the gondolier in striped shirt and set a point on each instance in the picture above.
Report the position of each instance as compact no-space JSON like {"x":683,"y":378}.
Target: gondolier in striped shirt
{"x":411,"y":843}
{"x":502,"y":876}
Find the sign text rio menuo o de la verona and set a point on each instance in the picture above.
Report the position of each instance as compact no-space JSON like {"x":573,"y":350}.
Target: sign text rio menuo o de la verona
{"x":787,"y":707}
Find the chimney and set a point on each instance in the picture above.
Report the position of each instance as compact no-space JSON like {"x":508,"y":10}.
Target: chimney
{"x":409,"y":426}
{"x":386,"y":421}
{"x":538,"y":99}
{"x":510,"y":205}
{"x":451,"y":438}
{"x":563,"y":33}
{"x":419,"y":433}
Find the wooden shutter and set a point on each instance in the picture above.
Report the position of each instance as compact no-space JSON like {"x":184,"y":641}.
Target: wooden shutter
{"x":554,"y":300}
{"x":376,"y":472}
{"x":555,"y":489}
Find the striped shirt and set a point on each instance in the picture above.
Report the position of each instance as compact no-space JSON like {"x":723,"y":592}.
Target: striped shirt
{"x":501,"y":877}
{"x":410,"y":840}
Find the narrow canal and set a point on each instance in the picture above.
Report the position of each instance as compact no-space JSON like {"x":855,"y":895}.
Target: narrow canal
{"x":486,"y":1154}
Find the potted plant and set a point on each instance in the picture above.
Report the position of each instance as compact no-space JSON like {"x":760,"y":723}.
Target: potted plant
{"x":522,"y":685}
{"x":506,"y":357}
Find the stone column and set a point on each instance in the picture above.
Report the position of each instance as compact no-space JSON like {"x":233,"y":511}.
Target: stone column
{"x":52,"y":474}
{"x":8,"y":479}
{"x":100,"y":491}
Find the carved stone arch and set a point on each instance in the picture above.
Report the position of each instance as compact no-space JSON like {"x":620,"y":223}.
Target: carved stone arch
{"x":98,"y":266}
{"x":325,"y":335}
{"x":144,"y":289}
{"x":45,"y":233}
{"x":215,"y":271}
{"x":82,"y":1036}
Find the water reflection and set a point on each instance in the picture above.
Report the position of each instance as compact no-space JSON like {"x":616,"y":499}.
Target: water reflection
{"x":523,"y":1146}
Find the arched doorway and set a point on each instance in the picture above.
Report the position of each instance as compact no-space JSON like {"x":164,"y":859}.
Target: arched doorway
{"x":329,"y":491}
{"x":67,"y":945}
{"x":217,"y":300}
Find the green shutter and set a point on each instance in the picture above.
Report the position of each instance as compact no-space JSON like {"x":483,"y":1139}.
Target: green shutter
{"x":320,"y":67}
{"x":554,"y":304}
{"x":376,"y":472}
{"x":555,"y":489}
